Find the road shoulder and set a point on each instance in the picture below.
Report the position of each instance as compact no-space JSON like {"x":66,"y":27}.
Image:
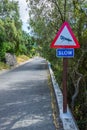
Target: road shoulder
{"x":67,"y":119}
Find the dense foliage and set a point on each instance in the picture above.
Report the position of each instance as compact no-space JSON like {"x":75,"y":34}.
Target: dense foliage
{"x":12,"y":38}
{"x":46,"y":18}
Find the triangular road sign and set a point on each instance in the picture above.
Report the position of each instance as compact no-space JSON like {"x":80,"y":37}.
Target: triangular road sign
{"x":65,"y":38}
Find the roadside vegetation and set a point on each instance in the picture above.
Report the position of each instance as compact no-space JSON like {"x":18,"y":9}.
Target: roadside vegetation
{"x":22,"y":58}
{"x":13,"y":39}
{"x":3,"y":66}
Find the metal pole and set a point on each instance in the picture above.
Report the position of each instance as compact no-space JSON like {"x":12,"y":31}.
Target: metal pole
{"x":65,"y":65}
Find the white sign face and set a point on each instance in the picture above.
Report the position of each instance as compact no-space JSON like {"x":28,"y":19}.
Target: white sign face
{"x":65,"y":38}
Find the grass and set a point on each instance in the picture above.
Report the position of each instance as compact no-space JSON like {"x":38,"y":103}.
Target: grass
{"x":22,"y":58}
{"x":3,"y":66}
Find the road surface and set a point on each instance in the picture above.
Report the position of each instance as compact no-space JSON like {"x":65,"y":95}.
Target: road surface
{"x":25,"y":102}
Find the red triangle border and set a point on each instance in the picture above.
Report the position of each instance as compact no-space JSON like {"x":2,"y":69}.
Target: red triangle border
{"x":58,"y":34}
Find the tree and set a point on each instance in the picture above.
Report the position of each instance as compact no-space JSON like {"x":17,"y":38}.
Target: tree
{"x":45,"y":19}
{"x":11,"y":27}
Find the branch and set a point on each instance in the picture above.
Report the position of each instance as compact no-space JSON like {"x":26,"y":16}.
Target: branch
{"x":57,"y":5}
{"x":65,"y":10}
{"x":76,"y":89}
{"x":76,"y":82}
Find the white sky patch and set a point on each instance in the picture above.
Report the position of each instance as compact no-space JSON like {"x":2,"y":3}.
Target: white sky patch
{"x":23,"y":9}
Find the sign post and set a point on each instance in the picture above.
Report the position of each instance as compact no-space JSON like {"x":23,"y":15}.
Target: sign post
{"x":65,"y":41}
{"x":65,"y":66}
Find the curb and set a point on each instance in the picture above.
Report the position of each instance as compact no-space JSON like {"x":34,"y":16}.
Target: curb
{"x":67,"y":119}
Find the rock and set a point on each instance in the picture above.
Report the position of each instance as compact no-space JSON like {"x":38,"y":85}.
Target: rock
{"x":10,"y":59}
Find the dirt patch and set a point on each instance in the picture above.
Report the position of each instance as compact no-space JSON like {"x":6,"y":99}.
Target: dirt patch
{"x":56,"y":118}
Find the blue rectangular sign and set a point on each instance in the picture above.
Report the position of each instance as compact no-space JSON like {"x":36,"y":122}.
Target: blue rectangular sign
{"x":65,"y":52}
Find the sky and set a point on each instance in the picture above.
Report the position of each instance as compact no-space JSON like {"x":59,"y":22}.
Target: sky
{"x":24,"y":14}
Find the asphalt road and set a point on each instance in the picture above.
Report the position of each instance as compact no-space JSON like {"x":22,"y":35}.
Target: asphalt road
{"x":25,"y":102}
